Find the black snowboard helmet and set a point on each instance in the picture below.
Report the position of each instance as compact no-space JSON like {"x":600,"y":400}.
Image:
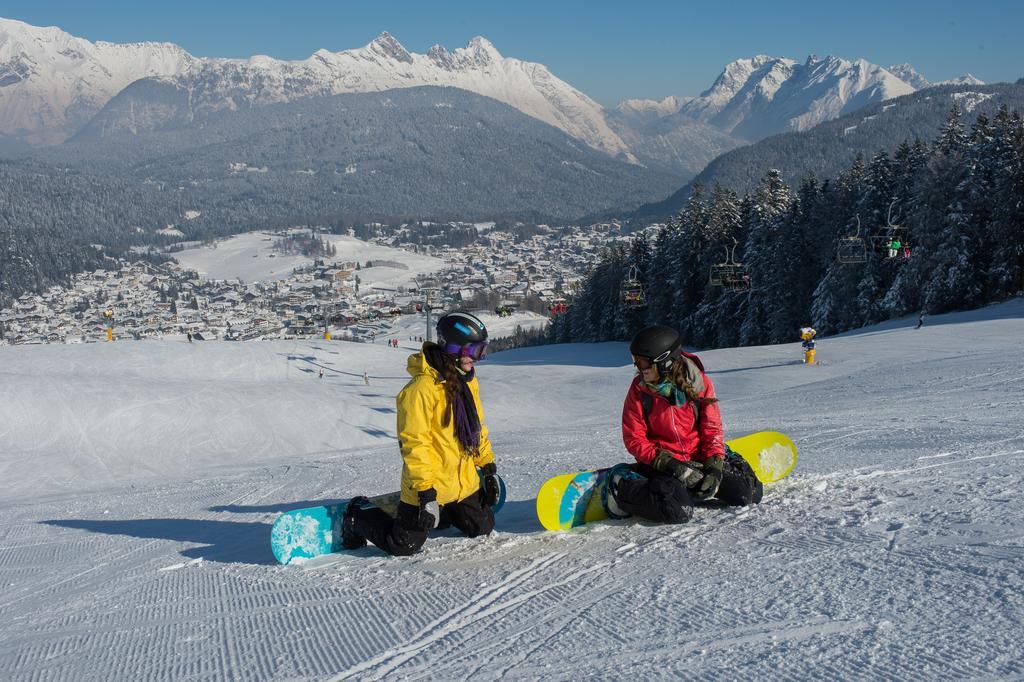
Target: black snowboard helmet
{"x":458,"y":330}
{"x":658,"y":343}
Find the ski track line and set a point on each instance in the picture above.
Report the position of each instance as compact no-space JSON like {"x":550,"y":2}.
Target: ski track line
{"x":449,"y":622}
{"x":578,"y":613}
{"x":50,"y":586}
{"x":561,"y":619}
{"x":459,"y":618}
{"x":887,"y":472}
{"x":686,"y":532}
{"x":739,"y":638}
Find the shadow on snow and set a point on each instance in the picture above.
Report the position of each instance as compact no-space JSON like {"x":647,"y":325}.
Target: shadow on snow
{"x":230,"y":542}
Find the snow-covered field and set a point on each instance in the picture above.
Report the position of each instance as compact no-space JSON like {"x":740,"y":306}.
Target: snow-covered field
{"x":249,"y":257}
{"x":138,"y":483}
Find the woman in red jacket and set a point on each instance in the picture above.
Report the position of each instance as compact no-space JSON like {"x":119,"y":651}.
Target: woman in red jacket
{"x":672,"y":425}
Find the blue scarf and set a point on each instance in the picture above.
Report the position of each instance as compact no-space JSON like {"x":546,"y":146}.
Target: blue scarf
{"x":669,"y":391}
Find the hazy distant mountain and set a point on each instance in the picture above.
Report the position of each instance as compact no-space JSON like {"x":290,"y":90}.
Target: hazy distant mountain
{"x":416,"y":151}
{"x":831,"y":146}
{"x":671,"y":142}
{"x":966,"y":79}
{"x":51,"y":82}
{"x":647,"y":111}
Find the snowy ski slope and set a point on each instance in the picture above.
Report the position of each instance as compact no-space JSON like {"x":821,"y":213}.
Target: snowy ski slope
{"x":138,"y":483}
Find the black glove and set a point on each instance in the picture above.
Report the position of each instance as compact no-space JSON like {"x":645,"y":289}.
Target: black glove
{"x":429,"y":511}
{"x":708,"y":485}
{"x":490,"y":484}
{"x":686,"y":472}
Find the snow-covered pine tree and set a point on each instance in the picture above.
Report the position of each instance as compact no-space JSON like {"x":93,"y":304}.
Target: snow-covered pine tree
{"x":1005,"y":238}
{"x":874,"y":203}
{"x":802,"y":262}
{"x":659,"y":297}
{"x":952,"y":279}
{"x":833,"y":304}
{"x":763,"y":256}
{"x":904,"y":294}
{"x":715,"y":315}
{"x":685,"y":282}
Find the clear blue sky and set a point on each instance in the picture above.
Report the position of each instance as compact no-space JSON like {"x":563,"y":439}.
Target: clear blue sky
{"x":609,"y":50}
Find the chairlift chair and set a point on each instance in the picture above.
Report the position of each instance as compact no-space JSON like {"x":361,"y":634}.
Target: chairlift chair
{"x":558,"y":306}
{"x":852,"y":249}
{"x":731,"y":275}
{"x":633,"y":290}
{"x":893,"y":231}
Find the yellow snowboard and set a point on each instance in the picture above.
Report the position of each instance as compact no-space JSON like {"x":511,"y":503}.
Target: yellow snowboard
{"x":571,"y":500}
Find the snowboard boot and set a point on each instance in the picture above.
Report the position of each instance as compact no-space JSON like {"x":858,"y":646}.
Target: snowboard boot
{"x":350,"y":539}
{"x":616,"y":475}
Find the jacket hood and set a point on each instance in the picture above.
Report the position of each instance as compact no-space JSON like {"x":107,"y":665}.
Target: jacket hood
{"x":417,"y":364}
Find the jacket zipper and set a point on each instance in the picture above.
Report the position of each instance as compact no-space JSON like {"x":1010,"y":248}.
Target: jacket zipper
{"x":672,"y":412}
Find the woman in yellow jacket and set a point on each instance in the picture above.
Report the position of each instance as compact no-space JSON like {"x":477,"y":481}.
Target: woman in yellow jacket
{"x":443,"y":441}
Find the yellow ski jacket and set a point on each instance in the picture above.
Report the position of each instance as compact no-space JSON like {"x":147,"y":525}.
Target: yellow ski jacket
{"x":432,"y":456}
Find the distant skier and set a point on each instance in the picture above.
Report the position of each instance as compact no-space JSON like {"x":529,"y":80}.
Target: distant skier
{"x":920,"y":320}
{"x":672,"y":425}
{"x":443,"y":441}
{"x":321,"y":372}
{"x":366,"y":379}
{"x":190,"y":337}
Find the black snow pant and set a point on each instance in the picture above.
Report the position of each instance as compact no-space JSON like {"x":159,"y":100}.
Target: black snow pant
{"x":663,"y":498}
{"x":658,"y":497}
{"x":399,"y":535}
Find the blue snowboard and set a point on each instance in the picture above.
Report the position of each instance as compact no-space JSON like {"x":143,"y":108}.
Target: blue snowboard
{"x":315,"y":531}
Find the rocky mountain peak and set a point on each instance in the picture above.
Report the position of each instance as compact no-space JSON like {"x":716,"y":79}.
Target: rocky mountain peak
{"x":386,"y":45}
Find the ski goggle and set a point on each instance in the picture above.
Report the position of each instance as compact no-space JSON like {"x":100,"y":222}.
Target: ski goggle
{"x":477,"y":350}
{"x":642,"y":362}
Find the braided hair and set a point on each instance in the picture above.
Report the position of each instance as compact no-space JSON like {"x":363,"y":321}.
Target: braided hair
{"x":680,"y":377}
{"x":461,"y":408}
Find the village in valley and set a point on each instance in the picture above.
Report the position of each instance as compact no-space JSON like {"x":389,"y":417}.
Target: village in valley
{"x":350,"y":295}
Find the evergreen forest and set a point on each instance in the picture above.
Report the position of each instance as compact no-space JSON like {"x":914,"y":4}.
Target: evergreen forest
{"x":821,"y":254}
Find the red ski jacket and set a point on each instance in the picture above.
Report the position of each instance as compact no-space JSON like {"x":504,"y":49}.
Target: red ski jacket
{"x":687,"y":433}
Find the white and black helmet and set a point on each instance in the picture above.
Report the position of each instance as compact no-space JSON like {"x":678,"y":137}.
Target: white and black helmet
{"x":460,"y":329}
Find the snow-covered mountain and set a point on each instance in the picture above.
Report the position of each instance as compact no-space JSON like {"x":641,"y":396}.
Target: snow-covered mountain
{"x":56,"y":82}
{"x":666,"y":140}
{"x":757,"y":97}
{"x":51,"y":83}
{"x":966,"y":79}
{"x":645,"y":111}
{"x":909,"y":75}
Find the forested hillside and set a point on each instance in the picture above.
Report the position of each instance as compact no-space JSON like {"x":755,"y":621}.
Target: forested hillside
{"x":421,"y":152}
{"x":954,"y":205}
